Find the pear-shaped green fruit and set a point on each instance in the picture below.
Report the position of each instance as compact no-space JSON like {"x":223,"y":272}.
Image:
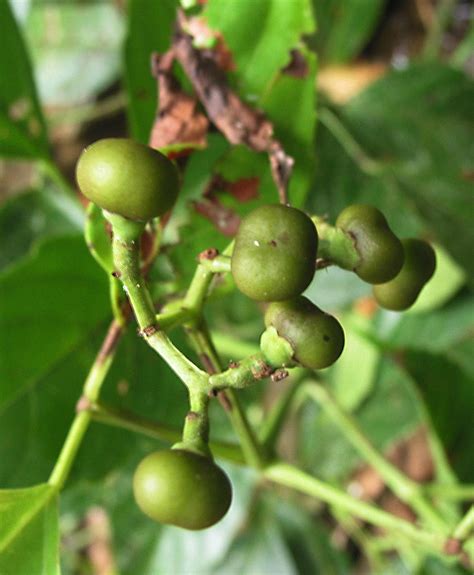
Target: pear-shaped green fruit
{"x":274,"y":256}
{"x":401,"y":292}
{"x":127,"y":178}
{"x":316,"y":337}
{"x":380,"y":251}
{"x":182,"y":488}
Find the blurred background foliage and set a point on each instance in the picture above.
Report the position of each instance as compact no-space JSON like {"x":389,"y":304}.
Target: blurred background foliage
{"x":382,"y":113}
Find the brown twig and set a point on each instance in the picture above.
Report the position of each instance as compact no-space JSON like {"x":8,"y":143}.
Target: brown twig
{"x":239,"y":122}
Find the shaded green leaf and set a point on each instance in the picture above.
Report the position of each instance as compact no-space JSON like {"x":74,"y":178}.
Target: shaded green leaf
{"x":53,"y":312}
{"x":345,"y":26}
{"x":332,"y":457}
{"x":419,"y":124}
{"x":49,"y":303}
{"x":29,"y":537}
{"x":149,"y":29}
{"x":437,"y":332}
{"x":22,"y":127}
{"x":352,"y":389}
{"x":448,"y":393}
{"x":445,"y":283}
{"x":34,"y":215}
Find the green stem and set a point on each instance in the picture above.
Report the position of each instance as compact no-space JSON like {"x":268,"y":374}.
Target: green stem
{"x":292,"y":477}
{"x":440,"y":22}
{"x":245,"y":373}
{"x":367,"y":164}
{"x":127,"y":420}
{"x":275,"y":419}
{"x":363,"y":540}
{"x":196,"y":424}
{"x":464,"y":528}
{"x":69,"y":450}
{"x":335,"y":245}
{"x":174,"y":317}
{"x":455,"y":492}
{"x":127,"y":262}
{"x":198,"y":288}
{"x":115,"y":293}
{"x":444,"y":473}
{"x":90,"y":394}
{"x":408,"y":491}
{"x":217,"y":265}
{"x":252,"y":450}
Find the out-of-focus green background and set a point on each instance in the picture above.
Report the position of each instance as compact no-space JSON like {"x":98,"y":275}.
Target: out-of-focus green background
{"x":382,"y":113}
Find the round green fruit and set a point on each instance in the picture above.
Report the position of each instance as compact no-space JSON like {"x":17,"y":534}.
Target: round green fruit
{"x":274,"y":256}
{"x":127,"y":178}
{"x":182,"y":488}
{"x":380,"y":251}
{"x":401,"y":292}
{"x":316,"y":337}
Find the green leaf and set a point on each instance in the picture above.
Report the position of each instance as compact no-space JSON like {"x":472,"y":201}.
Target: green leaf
{"x":29,"y":535}
{"x":149,"y":30}
{"x":344,"y":27}
{"x":445,"y":283}
{"x":340,"y":181}
{"x":49,"y":303}
{"x":436,"y":332}
{"x":418,"y":123}
{"x":350,"y":390}
{"x":22,"y":127}
{"x":260,"y":57}
{"x":75,"y":47}
{"x":332,"y":457}
{"x":33,"y":215}
{"x":308,"y":540}
{"x":53,"y":315}
{"x":449,"y":396}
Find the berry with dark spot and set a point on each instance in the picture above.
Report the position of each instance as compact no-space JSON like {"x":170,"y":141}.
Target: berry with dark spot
{"x":317,"y":338}
{"x":380,"y":251}
{"x":274,"y":255}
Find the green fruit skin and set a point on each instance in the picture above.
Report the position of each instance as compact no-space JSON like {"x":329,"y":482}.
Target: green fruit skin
{"x":316,"y":337}
{"x":380,"y":250}
{"x":127,"y":178}
{"x":274,"y":255}
{"x":182,"y":488}
{"x":401,"y":292}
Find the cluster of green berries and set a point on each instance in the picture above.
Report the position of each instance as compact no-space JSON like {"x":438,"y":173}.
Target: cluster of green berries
{"x":398,"y":269}
{"x":273,"y":261}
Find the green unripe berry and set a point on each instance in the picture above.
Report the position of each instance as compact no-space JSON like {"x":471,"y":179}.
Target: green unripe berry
{"x":127,"y":178}
{"x":316,"y":337}
{"x":401,"y":292}
{"x":380,"y":251}
{"x":274,"y":255}
{"x":182,"y":488}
